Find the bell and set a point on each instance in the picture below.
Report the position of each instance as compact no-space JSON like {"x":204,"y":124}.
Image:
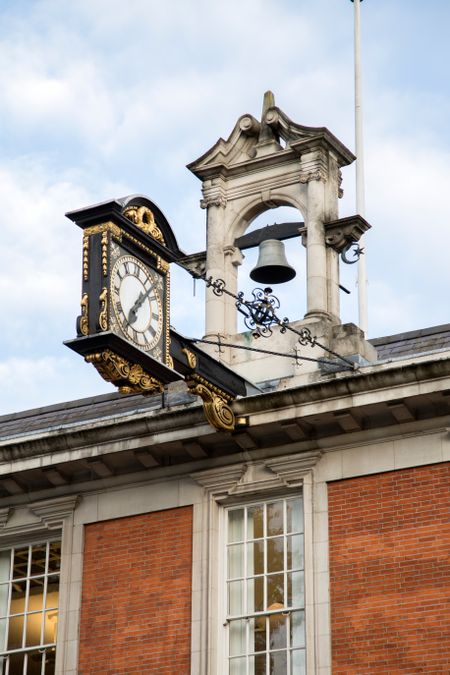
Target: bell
{"x":272,"y":266}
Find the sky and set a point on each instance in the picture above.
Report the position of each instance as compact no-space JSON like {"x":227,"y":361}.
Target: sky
{"x":104,"y":98}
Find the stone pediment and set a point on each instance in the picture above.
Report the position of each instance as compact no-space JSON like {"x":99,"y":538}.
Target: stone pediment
{"x":275,"y":134}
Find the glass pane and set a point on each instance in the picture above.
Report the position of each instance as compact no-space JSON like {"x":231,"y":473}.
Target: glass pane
{"x":34,"y":665}
{"x":50,"y":627}
{"x":34,"y":624}
{"x":54,"y":561}
{"x":255,"y":522}
{"x":255,"y":558}
{"x":2,"y":634}
{"x":255,"y":595}
{"x":52,"y":592}
{"x":294,"y":511}
{"x":298,"y":629}
{"x":236,"y":561}
{"x":275,"y":591}
{"x":275,"y":557}
{"x":257,"y":634}
{"x":50,"y":662}
{"x":237,"y":666}
{"x":4,"y":590}
{"x":260,"y":664}
{"x":296,"y":592}
{"x":298,"y":662}
{"x":20,"y":566}
{"x":236,"y":597}
{"x":295,"y":552}
{"x":278,"y":631}
{"x":16,"y":664}
{"x":274,"y":518}
{"x":236,"y":525}
{"x":5,"y":564}
{"x":36,"y":599}
{"x":18,"y":595}
{"x":15,"y":632}
{"x":38,"y":559}
{"x":237,"y":638}
{"x":278,"y":663}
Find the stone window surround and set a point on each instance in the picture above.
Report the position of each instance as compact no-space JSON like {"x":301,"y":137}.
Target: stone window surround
{"x":51,"y":517}
{"x":239,"y":484}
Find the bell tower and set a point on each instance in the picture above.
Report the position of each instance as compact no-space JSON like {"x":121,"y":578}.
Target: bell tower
{"x":264,"y":164}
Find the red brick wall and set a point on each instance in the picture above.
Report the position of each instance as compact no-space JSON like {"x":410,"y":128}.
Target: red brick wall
{"x":390,"y":572}
{"x":136,"y":601}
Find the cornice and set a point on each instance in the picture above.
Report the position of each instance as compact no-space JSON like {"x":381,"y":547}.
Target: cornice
{"x":253,"y":477}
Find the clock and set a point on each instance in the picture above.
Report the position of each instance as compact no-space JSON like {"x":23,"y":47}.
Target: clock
{"x":136,"y":293}
{"x":123,"y":328}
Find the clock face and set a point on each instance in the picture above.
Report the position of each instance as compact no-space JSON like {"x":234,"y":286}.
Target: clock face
{"x":136,"y":293}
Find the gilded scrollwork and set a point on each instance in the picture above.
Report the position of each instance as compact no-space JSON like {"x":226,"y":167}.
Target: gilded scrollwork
{"x":83,"y":324}
{"x":162,"y":265}
{"x":85,"y":257}
{"x":215,"y":403}
{"x":105,"y":253}
{"x":103,"y":316}
{"x":190,"y":357}
{"x":104,"y":227}
{"x":129,"y":377}
{"x":143,"y":217}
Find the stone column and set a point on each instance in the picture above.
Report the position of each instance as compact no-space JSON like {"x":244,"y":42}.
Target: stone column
{"x":232,"y":260}
{"x":215,"y":267}
{"x":316,"y":255}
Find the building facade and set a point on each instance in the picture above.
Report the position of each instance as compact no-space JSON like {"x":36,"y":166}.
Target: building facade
{"x":312,"y":538}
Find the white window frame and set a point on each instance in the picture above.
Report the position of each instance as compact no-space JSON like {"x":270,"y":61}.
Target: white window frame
{"x":263,"y":501}
{"x":27,"y":613}
{"x":256,"y":480}
{"x":48,"y":520}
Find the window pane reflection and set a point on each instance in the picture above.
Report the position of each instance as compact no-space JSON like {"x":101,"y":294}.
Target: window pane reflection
{"x":255,"y":558}
{"x":32,"y":577}
{"x":275,"y":554}
{"x":255,"y":522}
{"x":278,"y":663}
{"x":236,"y":561}
{"x":274,"y":519}
{"x":236,"y":525}
{"x":294,"y":515}
{"x":265,"y":562}
{"x":278,"y":631}
{"x":275,"y":591}
{"x":237,"y":638}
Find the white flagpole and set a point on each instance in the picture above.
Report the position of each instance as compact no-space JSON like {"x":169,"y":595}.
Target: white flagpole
{"x":360,"y":194}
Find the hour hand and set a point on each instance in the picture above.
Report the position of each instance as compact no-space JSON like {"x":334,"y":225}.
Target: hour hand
{"x":132,"y":314}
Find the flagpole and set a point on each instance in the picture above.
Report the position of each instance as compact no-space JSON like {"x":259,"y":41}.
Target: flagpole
{"x":359,"y":146}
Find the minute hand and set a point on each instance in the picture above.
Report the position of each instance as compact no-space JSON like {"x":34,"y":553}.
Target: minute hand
{"x":132,"y":314}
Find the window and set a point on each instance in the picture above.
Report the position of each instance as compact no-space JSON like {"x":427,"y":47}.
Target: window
{"x":265,"y":588}
{"x":29,"y":591}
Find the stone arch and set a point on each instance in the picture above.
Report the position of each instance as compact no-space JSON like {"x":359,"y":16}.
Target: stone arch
{"x":256,"y":208}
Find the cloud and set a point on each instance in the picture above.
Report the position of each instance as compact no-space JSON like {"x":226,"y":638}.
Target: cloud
{"x":33,"y":383}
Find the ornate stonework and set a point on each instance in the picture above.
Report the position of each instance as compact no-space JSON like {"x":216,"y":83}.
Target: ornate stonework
{"x":215,"y":403}
{"x":143,"y":217}
{"x":128,"y":377}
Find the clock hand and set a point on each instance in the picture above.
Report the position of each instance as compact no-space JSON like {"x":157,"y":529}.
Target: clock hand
{"x":132,"y":314}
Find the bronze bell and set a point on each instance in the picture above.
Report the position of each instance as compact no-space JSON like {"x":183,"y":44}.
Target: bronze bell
{"x":272,"y":266}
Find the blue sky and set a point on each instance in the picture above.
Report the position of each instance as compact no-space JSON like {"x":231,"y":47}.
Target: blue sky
{"x":101,"y":98}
